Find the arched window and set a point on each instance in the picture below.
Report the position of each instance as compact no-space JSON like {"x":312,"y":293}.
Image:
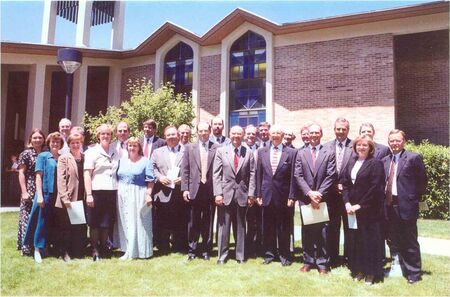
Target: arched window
{"x":178,"y":68}
{"x":248,"y":80}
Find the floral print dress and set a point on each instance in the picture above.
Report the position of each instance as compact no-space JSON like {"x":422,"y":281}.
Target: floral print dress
{"x":28,"y":159}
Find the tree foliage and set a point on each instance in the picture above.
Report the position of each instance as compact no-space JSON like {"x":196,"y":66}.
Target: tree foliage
{"x":161,"y":105}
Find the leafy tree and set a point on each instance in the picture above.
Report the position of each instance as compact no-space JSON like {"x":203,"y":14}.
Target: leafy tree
{"x":162,"y":105}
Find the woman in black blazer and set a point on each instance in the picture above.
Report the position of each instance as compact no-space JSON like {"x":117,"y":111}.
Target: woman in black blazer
{"x":363,"y":194}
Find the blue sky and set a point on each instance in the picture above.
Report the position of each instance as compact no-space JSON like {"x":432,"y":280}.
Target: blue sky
{"x":21,"y":21}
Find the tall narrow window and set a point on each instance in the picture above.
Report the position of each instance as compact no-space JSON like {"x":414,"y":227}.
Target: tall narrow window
{"x":248,"y":80}
{"x":178,"y":68}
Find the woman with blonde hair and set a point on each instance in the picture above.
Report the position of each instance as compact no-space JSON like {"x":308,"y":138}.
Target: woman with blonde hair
{"x":134,"y":216}
{"x":27,"y":182}
{"x":44,"y":199}
{"x":100,"y":182}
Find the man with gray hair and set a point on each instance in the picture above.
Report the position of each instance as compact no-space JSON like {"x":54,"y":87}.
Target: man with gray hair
{"x":289,"y":137}
{"x":65,"y":125}
{"x":234,"y":189}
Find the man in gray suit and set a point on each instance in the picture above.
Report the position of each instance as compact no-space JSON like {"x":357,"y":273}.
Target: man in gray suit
{"x":150,"y":141}
{"x":315,"y":174}
{"x":197,"y":188}
{"x":217,"y":126}
{"x":342,"y":146}
{"x":168,"y":200}
{"x":234,"y":189}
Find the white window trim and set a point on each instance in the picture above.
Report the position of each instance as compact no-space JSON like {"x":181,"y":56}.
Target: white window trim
{"x":159,"y":66}
{"x":225,"y":73}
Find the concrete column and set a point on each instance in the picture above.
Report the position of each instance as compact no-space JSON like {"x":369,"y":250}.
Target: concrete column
{"x":49,"y":23}
{"x":84,"y":23}
{"x":114,"y":85}
{"x":35,"y":100}
{"x":117,"y":25}
{"x":79,"y":94}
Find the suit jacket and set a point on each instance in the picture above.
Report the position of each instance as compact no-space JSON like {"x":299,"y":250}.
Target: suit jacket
{"x":67,"y":180}
{"x":156,"y":143}
{"x":161,"y":165}
{"x":411,"y":183}
{"x":368,"y":189}
{"x":381,"y":151}
{"x":191,"y":169}
{"x":231,"y":183}
{"x":321,"y":179}
{"x":348,"y":152}
{"x":279,"y":186}
{"x":223,"y":140}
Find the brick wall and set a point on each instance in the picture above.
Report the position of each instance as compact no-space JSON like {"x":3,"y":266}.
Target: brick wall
{"x":422,"y":91}
{"x":209,"y":93}
{"x":321,"y":81}
{"x":133,"y":73}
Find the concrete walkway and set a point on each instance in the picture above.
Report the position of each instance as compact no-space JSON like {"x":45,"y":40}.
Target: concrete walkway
{"x":432,"y":246}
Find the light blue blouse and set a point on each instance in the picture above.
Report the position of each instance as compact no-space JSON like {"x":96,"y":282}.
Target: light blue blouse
{"x":47,"y":165}
{"x":137,"y":173}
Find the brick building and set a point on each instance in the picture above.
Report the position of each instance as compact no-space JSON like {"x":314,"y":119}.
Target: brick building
{"x":388,"y":67}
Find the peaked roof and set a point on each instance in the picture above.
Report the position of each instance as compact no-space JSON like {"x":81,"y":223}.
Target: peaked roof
{"x":233,"y":21}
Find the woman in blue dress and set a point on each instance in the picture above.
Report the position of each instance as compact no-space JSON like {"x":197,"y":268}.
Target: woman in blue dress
{"x":44,"y":199}
{"x":134,"y":216}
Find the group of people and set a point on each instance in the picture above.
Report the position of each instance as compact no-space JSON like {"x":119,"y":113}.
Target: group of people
{"x":144,"y":192}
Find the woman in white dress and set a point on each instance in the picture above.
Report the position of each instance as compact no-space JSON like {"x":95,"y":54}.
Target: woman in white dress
{"x":134,"y":216}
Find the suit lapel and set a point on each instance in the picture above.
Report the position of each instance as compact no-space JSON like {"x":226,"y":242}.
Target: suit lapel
{"x":283,"y":158}
{"x":347,"y":153}
{"x":241,"y":157}
{"x":364,"y":166}
{"x":322,"y":151}
{"x":308,"y":158}
{"x":230,"y":157}
{"x":73,"y":164}
{"x":401,"y":162}
{"x":211,"y":154}
{"x":196,"y":154}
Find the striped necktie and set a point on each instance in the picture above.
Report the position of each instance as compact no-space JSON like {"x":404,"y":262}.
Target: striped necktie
{"x":275,"y":159}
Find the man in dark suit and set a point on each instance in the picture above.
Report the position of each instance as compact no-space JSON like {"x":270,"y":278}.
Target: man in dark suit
{"x":150,"y":141}
{"x":289,"y":137}
{"x":406,"y":183}
{"x":381,"y":150}
{"x":264,"y":135}
{"x":304,"y":134}
{"x":168,"y":200}
{"x":315,"y":174}
{"x":197,"y":188}
{"x":217,"y":126}
{"x":234,"y":189}
{"x":253,"y":237}
{"x":275,"y":193}
{"x":342,"y":146}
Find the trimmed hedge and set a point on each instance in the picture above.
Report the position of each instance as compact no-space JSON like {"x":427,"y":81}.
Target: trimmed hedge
{"x":436,"y":159}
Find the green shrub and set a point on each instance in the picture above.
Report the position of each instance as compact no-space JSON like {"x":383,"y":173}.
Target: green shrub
{"x":162,"y":105}
{"x":436,"y":159}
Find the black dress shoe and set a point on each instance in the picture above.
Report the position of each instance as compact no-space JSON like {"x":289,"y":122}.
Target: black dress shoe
{"x":286,"y":263}
{"x":240,"y":261}
{"x":267,"y":261}
{"x":220,"y":262}
{"x":206,"y":257}
{"x":412,"y":281}
{"x":191,"y":257}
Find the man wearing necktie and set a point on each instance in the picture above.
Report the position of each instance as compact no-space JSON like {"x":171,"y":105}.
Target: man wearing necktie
{"x":264,"y":135}
{"x":122,"y":133}
{"x":197,"y":188}
{"x":343,"y":149}
{"x":168,"y":200}
{"x":217,"y":126}
{"x":406,"y":183}
{"x":150,"y":141}
{"x":275,"y":193}
{"x":234,"y":189}
{"x":315,"y":174}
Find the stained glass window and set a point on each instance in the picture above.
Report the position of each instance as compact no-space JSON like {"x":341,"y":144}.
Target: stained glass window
{"x":178,"y":68}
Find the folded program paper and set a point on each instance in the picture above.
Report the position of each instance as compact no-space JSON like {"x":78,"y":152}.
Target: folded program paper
{"x":76,"y":213}
{"x":314,"y":216}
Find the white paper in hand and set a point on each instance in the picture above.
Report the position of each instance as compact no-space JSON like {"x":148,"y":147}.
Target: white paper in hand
{"x":352,"y":222}
{"x":172,"y":174}
{"x":314,"y":216}
{"x":76,"y":213}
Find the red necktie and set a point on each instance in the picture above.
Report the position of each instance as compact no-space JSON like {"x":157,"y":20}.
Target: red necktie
{"x":314,"y":156}
{"x":146,"y":148}
{"x":236,"y":159}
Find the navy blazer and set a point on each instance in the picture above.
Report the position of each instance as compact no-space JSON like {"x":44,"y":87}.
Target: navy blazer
{"x":321,"y":179}
{"x":368,"y":189}
{"x":278,"y":187}
{"x":411,"y":183}
{"x":381,"y":151}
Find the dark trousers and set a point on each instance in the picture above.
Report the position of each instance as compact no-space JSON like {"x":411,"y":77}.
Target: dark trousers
{"x":403,"y":234}
{"x":337,"y":213}
{"x":171,"y":225}
{"x":253,"y":237}
{"x":314,"y":242}
{"x":276,"y":221}
{"x":364,"y":250}
{"x":228,"y":215}
{"x":199,"y":223}
{"x":72,"y":238}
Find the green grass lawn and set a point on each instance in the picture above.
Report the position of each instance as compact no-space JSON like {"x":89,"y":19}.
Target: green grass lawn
{"x":173,"y":275}
{"x":426,"y":228}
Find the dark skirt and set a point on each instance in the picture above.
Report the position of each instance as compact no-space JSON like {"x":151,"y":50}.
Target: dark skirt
{"x":103,"y":214}
{"x":365,"y":252}
{"x":72,"y":238}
